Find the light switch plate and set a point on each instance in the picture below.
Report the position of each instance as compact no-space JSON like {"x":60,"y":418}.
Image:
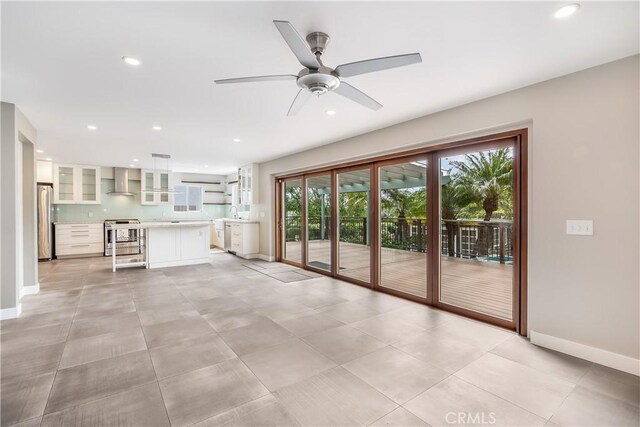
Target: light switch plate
{"x":580,"y":227}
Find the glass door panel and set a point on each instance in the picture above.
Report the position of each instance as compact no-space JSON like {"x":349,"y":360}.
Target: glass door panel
{"x":89,"y":185}
{"x":476,"y":236}
{"x":292,"y":220}
{"x":65,"y":183}
{"x":319,"y":222}
{"x":354,"y":219}
{"x":403,"y":227}
{"x":148,"y":186}
{"x":164,"y":187}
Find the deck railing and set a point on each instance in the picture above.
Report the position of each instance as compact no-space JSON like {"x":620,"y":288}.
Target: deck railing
{"x":470,"y":239}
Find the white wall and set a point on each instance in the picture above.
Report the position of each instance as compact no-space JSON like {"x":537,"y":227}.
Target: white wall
{"x":583,"y":164}
{"x":19,"y":256}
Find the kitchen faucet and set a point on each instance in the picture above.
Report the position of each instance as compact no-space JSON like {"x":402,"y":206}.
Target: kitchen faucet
{"x":235,"y":214}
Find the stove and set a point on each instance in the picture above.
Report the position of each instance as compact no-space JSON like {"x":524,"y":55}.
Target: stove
{"x":127,"y":242}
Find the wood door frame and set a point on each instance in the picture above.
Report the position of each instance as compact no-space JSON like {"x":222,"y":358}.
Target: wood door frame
{"x":377,"y":284}
{"x":520,"y":242}
{"x":279,"y":212}
{"x":337,"y":275}
{"x":508,"y":142}
{"x":305,"y":223}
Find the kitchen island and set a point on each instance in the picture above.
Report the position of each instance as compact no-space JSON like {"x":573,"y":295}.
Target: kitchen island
{"x":167,"y":244}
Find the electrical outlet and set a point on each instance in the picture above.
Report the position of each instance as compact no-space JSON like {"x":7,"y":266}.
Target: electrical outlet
{"x":580,"y":227}
{"x":90,"y":214}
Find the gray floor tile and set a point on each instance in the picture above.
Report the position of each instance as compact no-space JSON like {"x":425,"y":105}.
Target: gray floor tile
{"x":265,"y":411}
{"x":454,"y":402}
{"x":255,"y":337}
{"x":387,"y":327}
{"x":190,"y":355}
{"x":397,"y":375}
{"x":98,"y":347}
{"x":216,"y":305}
{"x":167,"y":313}
{"x":585,"y":407}
{"x":286,"y":364}
{"x":84,"y":383}
{"x":334,"y":398}
{"x":539,"y":393}
{"x":350,"y":312}
{"x":520,"y":350}
{"x":232,"y":319}
{"x":27,"y":339}
{"x":443,"y":351}
{"x":617,"y":384}
{"x":480,"y":335}
{"x":140,"y":406}
{"x":24,"y":399}
{"x":30,"y":362}
{"x":343,"y":344}
{"x":117,"y":323}
{"x":399,"y":418}
{"x":174,"y":331}
{"x":307,"y":325}
{"x":207,"y":392}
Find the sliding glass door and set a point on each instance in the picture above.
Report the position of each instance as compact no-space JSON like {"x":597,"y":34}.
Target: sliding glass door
{"x":354,"y":222}
{"x":445,"y":226}
{"x":291,"y":221}
{"x":318,"y":222}
{"x":403,"y":226}
{"x":477,"y":229}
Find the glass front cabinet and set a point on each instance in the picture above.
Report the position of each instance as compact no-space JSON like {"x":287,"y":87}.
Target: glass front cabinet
{"x":156,"y":187}
{"x":76,"y":184}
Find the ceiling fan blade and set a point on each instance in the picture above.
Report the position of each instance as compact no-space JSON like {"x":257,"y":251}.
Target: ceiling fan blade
{"x":297,"y":44}
{"x":354,"y":94}
{"x":377,"y":64}
{"x":301,"y":98}
{"x":257,"y":79}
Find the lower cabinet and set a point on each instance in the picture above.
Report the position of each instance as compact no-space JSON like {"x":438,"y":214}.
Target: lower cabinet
{"x":174,"y":246}
{"x":244,"y":238}
{"x":79,"y":239}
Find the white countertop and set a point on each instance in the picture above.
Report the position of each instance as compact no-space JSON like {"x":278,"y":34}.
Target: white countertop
{"x":160,"y":224}
{"x":241,"y":221}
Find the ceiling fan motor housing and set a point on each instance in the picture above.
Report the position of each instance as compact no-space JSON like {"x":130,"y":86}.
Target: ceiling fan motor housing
{"x":318,"y":81}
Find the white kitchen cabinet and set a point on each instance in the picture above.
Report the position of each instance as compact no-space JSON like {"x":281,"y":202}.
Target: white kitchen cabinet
{"x":178,"y":245}
{"x":76,"y":184}
{"x":248,"y":185}
{"x":155,"y":187}
{"x":79,"y":239}
{"x":244,"y":238}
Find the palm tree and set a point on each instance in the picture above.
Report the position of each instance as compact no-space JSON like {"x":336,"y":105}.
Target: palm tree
{"x":484,"y":178}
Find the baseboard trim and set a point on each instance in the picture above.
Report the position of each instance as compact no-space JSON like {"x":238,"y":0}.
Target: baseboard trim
{"x":265,"y":257}
{"x":593,"y":354}
{"x":30,"y":290}
{"x":10,"y":313}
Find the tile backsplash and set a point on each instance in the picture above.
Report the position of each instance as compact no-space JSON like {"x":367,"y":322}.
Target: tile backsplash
{"x":118,"y":206}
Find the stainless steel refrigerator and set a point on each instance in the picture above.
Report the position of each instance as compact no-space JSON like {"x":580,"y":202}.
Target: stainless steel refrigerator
{"x":45,"y":221}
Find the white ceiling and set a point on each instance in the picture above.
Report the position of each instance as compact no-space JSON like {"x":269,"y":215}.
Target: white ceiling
{"x":61,"y":65}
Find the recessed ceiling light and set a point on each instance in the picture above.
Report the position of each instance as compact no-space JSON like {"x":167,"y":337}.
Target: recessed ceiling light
{"x":236,"y":139}
{"x":91,"y":127}
{"x":132,"y":166}
{"x":48,"y":159}
{"x":136,"y":160}
{"x":40,"y":151}
{"x":330,"y":112}
{"x":156,"y":128}
{"x":566,"y":10}
{"x":206,"y":166}
{"x":131,"y":61}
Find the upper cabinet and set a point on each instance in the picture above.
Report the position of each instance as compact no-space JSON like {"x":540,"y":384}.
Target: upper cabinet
{"x":156,"y":187}
{"x":248,"y":185}
{"x":76,"y":184}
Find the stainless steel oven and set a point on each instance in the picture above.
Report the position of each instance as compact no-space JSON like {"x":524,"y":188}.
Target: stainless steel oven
{"x":127,"y":242}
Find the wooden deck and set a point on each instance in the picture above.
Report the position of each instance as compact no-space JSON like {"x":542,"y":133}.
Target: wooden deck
{"x":480,"y":286}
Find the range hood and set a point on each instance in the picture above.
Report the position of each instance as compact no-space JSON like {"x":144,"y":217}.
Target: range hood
{"x":121,"y":176}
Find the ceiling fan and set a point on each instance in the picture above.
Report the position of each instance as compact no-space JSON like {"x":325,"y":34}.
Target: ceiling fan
{"x":318,"y":79}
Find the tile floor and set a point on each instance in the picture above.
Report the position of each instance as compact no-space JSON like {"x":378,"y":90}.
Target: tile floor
{"x":239,"y":343}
